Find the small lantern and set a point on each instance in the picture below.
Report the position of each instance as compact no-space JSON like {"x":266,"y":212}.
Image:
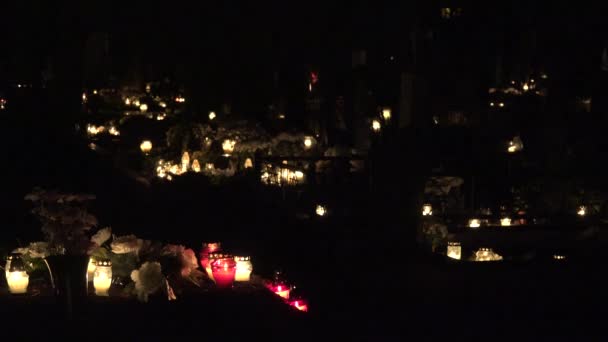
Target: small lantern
{"x":212,"y":257}
{"x":224,"y":271}
{"x":505,"y":221}
{"x":474,"y":223}
{"x":386,"y":113}
{"x":103,"y":277}
{"x":228,"y":146}
{"x":248,"y":163}
{"x":320,"y":210}
{"x":146,"y":146}
{"x":143,"y":108}
{"x":376,"y":126}
{"x":16,"y":277}
{"x":196,"y":167}
{"x":308,"y":143}
{"x":427,"y":210}
{"x":582,"y":211}
{"x":244,"y":267}
{"x":454,"y":250}
{"x":185,"y":161}
{"x":299,"y":304}
{"x":212,"y":115}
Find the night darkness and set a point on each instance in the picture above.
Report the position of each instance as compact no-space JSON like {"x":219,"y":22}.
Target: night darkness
{"x":411,"y":169}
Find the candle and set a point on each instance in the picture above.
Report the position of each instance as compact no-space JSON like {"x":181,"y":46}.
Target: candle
{"x":17,"y":282}
{"x":207,"y":249}
{"x":282,"y":291}
{"x":243,"y":268}
{"x":454,"y":250}
{"x":16,"y":277}
{"x":505,"y":221}
{"x":211,"y":258}
{"x":299,"y":304}
{"x":103,"y":277}
{"x":224,"y":270}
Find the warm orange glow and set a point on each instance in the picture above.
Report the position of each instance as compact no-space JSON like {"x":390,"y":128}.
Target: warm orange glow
{"x":376,"y":126}
{"x":146,"y":146}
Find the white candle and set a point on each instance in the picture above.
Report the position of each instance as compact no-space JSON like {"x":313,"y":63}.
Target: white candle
{"x":243,"y":268}
{"x":103,"y":278}
{"x":17,"y":282}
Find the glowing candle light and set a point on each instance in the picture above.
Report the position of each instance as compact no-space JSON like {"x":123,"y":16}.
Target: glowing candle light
{"x":228,"y":146}
{"x":103,"y":277}
{"x":143,"y":108}
{"x":474,"y":223}
{"x":281,"y":290}
{"x":128,"y":101}
{"x":454,"y":250}
{"x":212,"y":257}
{"x":559,"y":257}
{"x":244,"y":267}
{"x":185,"y":161}
{"x":212,"y":115}
{"x":427,"y":210}
{"x":146,"y":146}
{"x":224,"y":271}
{"x":299,"y":304}
{"x":386,"y":114}
{"x":308,"y":142}
{"x":16,"y":277}
{"x":320,"y":210}
{"x":196,"y":167}
{"x":505,"y":221}
{"x":582,"y":211}
{"x":248,"y":163}
{"x":136,"y":103}
{"x":376,"y":126}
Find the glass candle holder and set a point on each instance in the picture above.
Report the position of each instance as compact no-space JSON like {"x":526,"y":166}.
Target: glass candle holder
{"x":212,"y":257}
{"x":208,"y":248}
{"x":281,"y":289}
{"x":224,"y":271}
{"x":244,"y":267}
{"x":454,"y":250}
{"x":103,"y":277}
{"x":16,"y":277}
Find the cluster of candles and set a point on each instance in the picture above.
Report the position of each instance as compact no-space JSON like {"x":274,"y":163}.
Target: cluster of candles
{"x":504,"y":222}
{"x":226,"y":269}
{"x":280,"y":287}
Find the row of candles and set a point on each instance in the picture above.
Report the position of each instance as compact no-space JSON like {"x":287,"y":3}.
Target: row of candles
{"x":427,"y":210}
{"x":225,"y":269}
{"x":454,"y":251}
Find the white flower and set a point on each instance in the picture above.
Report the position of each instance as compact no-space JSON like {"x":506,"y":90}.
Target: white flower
{"x":102,"y":236}
{"x":126,"y":244}
{"x":148,"y":279}
{"x":38,"y":249}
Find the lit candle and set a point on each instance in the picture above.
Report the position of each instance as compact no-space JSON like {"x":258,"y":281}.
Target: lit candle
{"x":281,"y":290}
{"x":211,"y":258}
{"x":17,"y":282}
{"x":386,"y":114}
{"x":103,"y":277}
{"x":454,"y":250}
{"x":224,"y":271}
{"x":427,"y":210}
{"x":243,"y":268}
{"x":505,"y":221}
{"x":16,"y":277}
{"x":299,"y":304}
{"x":474,"y":223}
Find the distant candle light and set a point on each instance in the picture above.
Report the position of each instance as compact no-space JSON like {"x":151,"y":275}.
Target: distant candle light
{"x":212,"y":115}
{"x":376,"y":125}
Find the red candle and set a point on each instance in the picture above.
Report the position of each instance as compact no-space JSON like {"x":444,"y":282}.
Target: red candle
{"x":224,"y":270}
{"x":299,"y":304}
{"x":282,"y":290}
{"x":207,"y":249}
